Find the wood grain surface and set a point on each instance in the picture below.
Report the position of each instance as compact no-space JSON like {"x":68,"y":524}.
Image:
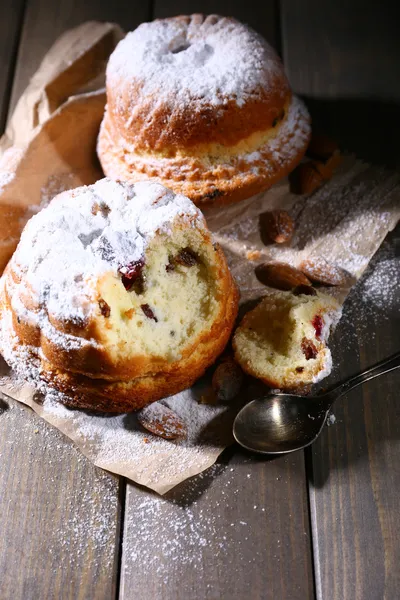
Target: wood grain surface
{"x":59,"y":516}
{"x":343,"y":61}
{"x":354,"y":467}
{"x":240,"y":530}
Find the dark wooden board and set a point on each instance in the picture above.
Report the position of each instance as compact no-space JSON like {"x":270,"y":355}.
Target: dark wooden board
{"x":346,"y":50}
{"x":262,"y":16}
{"x":59,"y":515}
{"x":354,"y":467}
{"x":11,"y":12}
{"x":343,"y":60}
{"x":240,"y":530}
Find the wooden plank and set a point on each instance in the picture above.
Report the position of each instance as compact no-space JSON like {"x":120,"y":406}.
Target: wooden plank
{"x":355,"y":465}
{"x":11,"y":13}
{"x":344,"y":62}
{"x":46,"y":20}
{"x":240,"y":530}
{"x":59,"y":515}
{"x":262,"y":16}
{"x":350,"y":51}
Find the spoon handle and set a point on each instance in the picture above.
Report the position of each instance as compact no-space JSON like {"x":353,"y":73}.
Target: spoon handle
{"x":384,"y":366}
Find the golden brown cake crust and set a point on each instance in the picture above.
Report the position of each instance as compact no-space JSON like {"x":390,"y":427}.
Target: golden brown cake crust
{"x":71,"y":353}
{"x":208,"y":110}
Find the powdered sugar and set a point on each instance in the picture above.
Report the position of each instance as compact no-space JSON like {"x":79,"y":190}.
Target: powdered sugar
{"x":82,"y":499}
{"x":82,"y":234}
{"x":119,"y":444}
{"x":211,"y":61}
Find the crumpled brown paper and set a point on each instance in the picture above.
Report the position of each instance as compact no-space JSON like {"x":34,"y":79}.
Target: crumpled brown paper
{"x":49,"y":146}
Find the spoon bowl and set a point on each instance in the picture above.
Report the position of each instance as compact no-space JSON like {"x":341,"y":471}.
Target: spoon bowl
{"x":279,"y":423}
{"x":282,"y":423}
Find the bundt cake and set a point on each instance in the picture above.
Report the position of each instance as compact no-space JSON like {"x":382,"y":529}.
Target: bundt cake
{"x":201,"y":104}
{"x":116,"y":296}
{"x":283,"y":340}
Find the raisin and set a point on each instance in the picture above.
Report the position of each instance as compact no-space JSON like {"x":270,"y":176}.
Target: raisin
{"x":308,"y":348}
{"x":299,"y":369}
{"x":148,"y":312}
{"x":104,"y":308}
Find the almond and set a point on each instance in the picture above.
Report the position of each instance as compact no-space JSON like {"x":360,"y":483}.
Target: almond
{"x":227,"y":380}
{"x":306,"y":178}
{"x":322,"y":147}
{"x":281,"y":276}
{"x":162,"y":421}
{"x":278,"y":226}
{"x":321,"y":271}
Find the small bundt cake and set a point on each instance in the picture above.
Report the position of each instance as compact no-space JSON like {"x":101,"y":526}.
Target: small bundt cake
{"x":203,"y":105}
{"x":283,"y":340}
{"x":116,"y":296}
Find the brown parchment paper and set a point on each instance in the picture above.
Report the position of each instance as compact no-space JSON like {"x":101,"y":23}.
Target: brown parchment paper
{"x":49,"y":146}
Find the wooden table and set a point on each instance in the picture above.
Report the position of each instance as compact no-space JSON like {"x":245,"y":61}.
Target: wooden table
{"x":323,"y":523}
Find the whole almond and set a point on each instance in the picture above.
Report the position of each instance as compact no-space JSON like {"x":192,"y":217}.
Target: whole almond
{"x":227,"y":380}
{"x":277,"y":225}
{"x":281,"y":276}
{"x":162,"y":421}
{"x":321,"y":271}
{"x":306,"y":178}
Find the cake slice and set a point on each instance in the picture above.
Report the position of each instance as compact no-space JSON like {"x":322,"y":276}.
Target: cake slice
{"x":283,"y":340}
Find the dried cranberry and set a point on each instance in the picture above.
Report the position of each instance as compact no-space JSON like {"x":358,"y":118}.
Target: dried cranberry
{"x":148,"y":312}
{"x":131,"y":272}
{"x":308,"y":349}
{"x":318,"y":325}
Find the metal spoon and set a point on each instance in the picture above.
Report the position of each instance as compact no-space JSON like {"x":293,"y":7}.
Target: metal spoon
{"x":282,"y":423}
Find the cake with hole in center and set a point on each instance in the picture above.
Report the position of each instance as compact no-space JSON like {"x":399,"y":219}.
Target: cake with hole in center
{"x":115,"y":297}
{"x":203,"y":105}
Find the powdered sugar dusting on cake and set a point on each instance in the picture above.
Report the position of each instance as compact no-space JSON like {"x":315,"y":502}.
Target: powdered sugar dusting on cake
{"x":83,"y":233}
{"x":212,"y":61}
